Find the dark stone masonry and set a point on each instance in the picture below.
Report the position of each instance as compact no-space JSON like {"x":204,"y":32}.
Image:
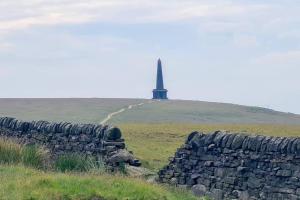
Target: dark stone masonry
{"x":103,"y":142}
{"x":160,"y":92}
{"x":224,"y":165}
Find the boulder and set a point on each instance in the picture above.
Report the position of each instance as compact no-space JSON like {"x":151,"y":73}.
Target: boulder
{"x":209,"y":138}
{"x":238,"y":141}
{"x":190,"y":137}
{"x":217,"y":194}
{"x":229,"y":141}
{"x":112,"y":133}
{"x":199,"y":190}
{"x":121,"y":156}
{"x":218,"y":139}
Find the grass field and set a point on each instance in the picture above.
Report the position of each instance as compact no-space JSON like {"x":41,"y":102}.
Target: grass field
{"x":26,"y":173}
{"x":25,"y":183}
{"x":72,"y":110}
{"x":171,"y":111}
{"x":154,"y":143}
{"x":199,"y":112}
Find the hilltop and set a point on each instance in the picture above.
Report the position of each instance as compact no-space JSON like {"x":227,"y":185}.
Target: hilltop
{"x":95,"y":110}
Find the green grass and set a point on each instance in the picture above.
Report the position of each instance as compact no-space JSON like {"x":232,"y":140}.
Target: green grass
{"x":76,"y":110}
{"x":72,"y":162}
{"x":153,"y":144}
{"x":34,"y":156}
{"x":94,"y":110}
{"x":25,"y":183}
{"x":10,"y":152}
{"x":13,"y":153}
{"x":82,"y":178}
{"x":196,"y":112}
{"x":80,"y":163}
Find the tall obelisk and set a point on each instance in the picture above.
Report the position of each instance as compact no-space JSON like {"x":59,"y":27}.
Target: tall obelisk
{"x":160,"y":92}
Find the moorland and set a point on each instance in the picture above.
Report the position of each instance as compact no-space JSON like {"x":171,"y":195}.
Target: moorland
{"x":153,"y":130}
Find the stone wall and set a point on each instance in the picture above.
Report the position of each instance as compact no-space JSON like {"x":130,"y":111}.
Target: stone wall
{"x":223,"y":165}
{"x":100,"y":141}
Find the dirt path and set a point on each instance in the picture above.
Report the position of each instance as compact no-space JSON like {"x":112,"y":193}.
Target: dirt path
{"x":109,"y":116}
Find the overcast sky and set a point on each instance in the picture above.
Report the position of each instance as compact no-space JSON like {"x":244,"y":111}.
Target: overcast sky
{"x":245,"y":52}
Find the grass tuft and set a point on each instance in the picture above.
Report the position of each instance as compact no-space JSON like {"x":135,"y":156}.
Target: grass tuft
{"x":72,"y":162}
{"x":34,"y":156}
{"x":80,"y":163}
{"x":10,"y":152}
{"x":14,"y":153}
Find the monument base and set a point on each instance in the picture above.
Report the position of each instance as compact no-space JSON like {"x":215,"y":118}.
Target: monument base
{"x":160,"y":94}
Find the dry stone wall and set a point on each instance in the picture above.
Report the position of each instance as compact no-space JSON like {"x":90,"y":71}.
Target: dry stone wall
{"x":101,"y":141}
{"x":225,"y":165}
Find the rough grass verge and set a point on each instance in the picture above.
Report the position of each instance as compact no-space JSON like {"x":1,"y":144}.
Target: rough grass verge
{"x":10,"y":152}
{"x":75,"y":162}
{"x":14,"y":153}
{"x":26,"y":183}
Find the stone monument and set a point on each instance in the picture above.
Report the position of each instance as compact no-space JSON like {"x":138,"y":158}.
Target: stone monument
{"x":160,"y":92}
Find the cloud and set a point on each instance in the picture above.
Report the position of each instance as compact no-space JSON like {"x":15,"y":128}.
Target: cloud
{"x":17,"y":15}
{"x":210,"y":16}
{"x":50,"y":19}
{"x":287,"y":34}
{"x":245,"y":41}
{"x":50,"y":45}
{"x":5,"y":47}
{"x":286,"y":59}
{"x":6,"y":72}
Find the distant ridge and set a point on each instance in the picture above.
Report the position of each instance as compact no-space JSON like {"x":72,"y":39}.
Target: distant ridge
{"x":94,"y":110}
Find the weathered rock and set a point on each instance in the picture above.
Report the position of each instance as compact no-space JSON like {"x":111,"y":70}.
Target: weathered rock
{"x":284,"y":173}
{"x":238,"y":141}
{"x":121,"y":156}
{"x":195,"y":141}
{"x":190,"y":137}
{"x":224,"y":140}
{"x":112,"y":133}
{"x":195,"y":176}
{"x":209,"y":138}
{"x":229,"y":141}
{"x":139,"y":172}
{"x":217,"y":194}
{"x":199,"y":190}
{"x":218,"y":138}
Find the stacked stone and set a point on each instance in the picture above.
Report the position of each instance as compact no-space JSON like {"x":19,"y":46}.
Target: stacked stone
{"x":99,"y":141}
{"x":223,"y":165}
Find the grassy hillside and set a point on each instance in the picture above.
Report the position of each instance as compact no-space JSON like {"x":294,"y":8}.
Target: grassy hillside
{"x":153,"y":131}
{"x":172,"y":111}
{"x":175,"y":111}
{"x":72,"y":110}
{"x":25,"y":183}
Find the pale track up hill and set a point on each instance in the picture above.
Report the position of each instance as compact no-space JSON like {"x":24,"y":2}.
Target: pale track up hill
{"x":95,"y":110}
